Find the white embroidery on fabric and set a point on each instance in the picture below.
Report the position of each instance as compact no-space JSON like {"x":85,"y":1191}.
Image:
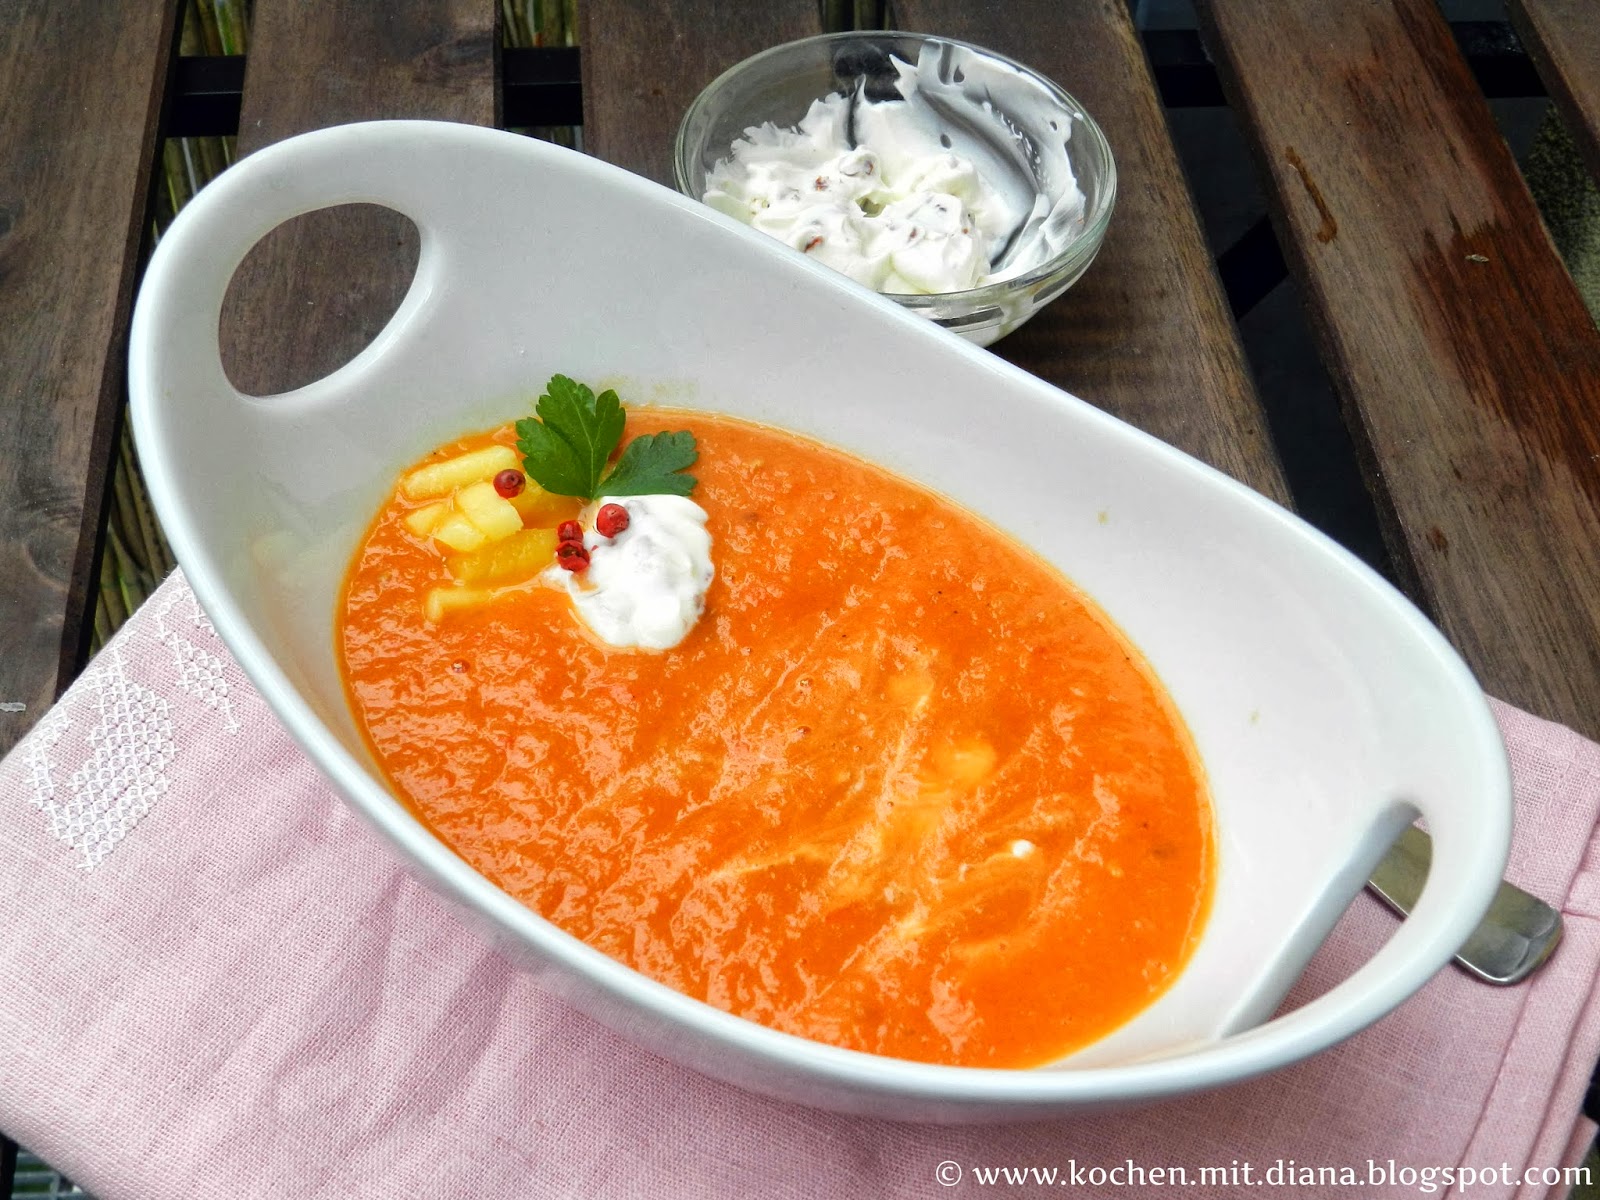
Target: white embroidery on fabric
{"x":200,"y":673}
{"x":41,"y":767}
{"x":132,"y":746}
{"x":131,"y":743}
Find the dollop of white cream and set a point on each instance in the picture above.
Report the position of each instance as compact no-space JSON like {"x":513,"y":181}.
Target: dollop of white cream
{"x":646,"y":587}
{"x":897,"y":195}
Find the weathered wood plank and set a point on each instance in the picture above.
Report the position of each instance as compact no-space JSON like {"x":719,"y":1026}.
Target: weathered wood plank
{"x":80,"y":87}
{"x":1460,"y":346}
{"x":1563,"y":37}
{"x":316,"y":291}
{"x":1146,"y":333}
{"x":643,"y":63}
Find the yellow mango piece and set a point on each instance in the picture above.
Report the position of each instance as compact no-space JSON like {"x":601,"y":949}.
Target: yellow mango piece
{"x":512,"y":560}
{"x":458,"y":533}
{"x":540,"y":508}
{"x":443,"y":601}
{"x":442,"y":478}
{"x":486,"y":508}
{"x":423,"y":521}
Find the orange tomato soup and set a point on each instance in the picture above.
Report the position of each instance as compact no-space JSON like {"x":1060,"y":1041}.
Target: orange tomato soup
{"x":902,"y":789}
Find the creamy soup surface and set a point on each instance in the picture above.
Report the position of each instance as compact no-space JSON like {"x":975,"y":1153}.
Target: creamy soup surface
{"x":902,"y":788}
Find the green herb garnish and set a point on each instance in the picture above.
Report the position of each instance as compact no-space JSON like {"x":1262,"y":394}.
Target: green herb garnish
{"x":565,"y":450}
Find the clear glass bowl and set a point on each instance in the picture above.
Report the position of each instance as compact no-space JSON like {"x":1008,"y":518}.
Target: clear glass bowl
{"x":1019,"y":112}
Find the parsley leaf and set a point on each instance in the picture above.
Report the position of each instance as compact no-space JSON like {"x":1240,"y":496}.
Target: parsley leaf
{"x":650,"y":465}
{"x":566,"y":448}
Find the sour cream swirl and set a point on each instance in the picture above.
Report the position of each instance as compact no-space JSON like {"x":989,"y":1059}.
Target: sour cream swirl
{"x":646,"y":587}
{"x":922,"y":195}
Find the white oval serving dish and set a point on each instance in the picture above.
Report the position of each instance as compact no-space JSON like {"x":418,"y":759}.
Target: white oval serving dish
{"x":1328,"y":711}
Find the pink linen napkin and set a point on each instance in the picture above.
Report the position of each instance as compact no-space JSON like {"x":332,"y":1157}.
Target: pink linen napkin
{"x":216,"y":980}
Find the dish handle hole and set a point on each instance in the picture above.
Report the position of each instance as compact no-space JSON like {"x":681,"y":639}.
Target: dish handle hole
{"x":313,"y":294}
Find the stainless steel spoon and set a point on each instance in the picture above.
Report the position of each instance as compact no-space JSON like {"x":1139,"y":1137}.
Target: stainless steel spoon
{"x":1516,"y":935}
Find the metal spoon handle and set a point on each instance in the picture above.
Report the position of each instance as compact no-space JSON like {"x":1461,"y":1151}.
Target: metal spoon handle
{"x":1516,"y":935}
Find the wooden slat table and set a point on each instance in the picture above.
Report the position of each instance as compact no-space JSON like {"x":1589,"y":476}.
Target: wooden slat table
{"x":1564,"y":39}
{"x":315,"y":292}
{"x":1469,"y":371}
{"x":630,"y":112}
{"x":80,"y":90}
{"x":1464,"y":354}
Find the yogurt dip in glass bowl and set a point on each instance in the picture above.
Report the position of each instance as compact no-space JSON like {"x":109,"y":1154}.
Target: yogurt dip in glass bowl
{"x":967,"y":187}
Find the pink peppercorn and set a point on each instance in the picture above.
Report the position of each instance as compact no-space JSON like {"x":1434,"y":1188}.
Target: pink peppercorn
{"x":611,"y":520}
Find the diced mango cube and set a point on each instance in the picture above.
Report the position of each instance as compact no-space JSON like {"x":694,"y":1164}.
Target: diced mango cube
{"x":512,"y":560}
{"x":442,"y":601}
{"x":486,"y":508}
{"x":540,"y":508}
{"x":442,"y":478}
{"x":459,"y":533}
{"x":423,"y":521}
